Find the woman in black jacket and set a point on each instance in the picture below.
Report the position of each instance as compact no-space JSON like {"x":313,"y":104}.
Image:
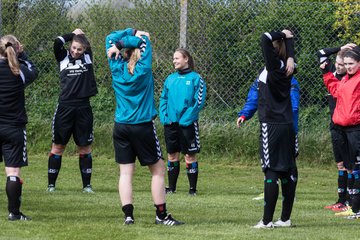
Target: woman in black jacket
{"x":16,"y":72}
{"x":277,"y":135}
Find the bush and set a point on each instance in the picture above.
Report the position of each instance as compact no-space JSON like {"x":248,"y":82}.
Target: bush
{"x":222,"y":143}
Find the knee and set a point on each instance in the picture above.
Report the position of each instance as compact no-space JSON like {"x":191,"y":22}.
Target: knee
{"x":340,"y":166}
{"x":158,"y":169}
{"x":190,"y":158}
{"x":57,"y":149}
{"x":10,"y":171}
{"x":173,"y":157}
{"x":84,"y":149}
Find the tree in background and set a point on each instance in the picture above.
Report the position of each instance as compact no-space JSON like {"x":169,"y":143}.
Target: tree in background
{"x":347,"y":20}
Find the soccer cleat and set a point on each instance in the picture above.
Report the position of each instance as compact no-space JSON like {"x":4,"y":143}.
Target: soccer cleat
{"x":51,"y":188}
{"x":88,"y":189}
{"x":335,"y":205}
{"x":129,"y":221}
{"x":259,"y":197}
{"x":346,"y":213}
{"x":168,"y":220}
{"x":192,"y":192}
{"x":280,"y":223}
{"x":354,"y":216}
{"x":340,"y":208}
{"x":169,"y":190}
{"x":19,"y":217}
{"x":261,"y":224}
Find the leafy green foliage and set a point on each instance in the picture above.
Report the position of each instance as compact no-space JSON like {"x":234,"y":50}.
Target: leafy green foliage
{"x":347,"y":20}
{"x":223,"y":37}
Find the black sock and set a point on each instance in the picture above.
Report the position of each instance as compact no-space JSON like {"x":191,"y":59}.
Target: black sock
{"x":85,"y":165}
{"x":128,"y":210}
{"x":350,"y":186}
{"x":54,"y":165}
{"x":342,"y":184}
{"x":192,"y":170}
{"x":271,"y":193}
{"x":173,"y":174}
{"x":161,"y":211}
{"x":288,"y":188}
{"x":13,"y":191}
{"x":356,"y":194}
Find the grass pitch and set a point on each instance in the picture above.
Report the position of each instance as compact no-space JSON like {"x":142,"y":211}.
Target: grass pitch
{"x":223,"y":208}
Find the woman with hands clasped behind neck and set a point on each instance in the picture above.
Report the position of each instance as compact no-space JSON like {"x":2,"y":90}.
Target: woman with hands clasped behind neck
{"x":134,"y":132}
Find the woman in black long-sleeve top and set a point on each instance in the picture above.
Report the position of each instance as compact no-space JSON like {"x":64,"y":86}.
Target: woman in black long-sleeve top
{"x":277,"y":136}
{"x":16,"y":72}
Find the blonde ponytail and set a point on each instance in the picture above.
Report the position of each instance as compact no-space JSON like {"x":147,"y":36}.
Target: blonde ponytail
{"x":8,"y":49}
{"x":134,"y":56}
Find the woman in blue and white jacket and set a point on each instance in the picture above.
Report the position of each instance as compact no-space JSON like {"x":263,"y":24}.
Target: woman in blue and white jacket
{"x":134,"y":132}
{"x":181,"y":101}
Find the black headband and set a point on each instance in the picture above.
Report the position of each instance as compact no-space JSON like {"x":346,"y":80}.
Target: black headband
{"x":353,"y":53}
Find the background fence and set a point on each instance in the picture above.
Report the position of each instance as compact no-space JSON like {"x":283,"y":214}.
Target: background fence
{"x":222,"y":35}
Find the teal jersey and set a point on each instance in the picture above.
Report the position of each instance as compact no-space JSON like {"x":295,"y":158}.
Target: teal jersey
{"x":134,"y":93}
{"x":182,"y":98}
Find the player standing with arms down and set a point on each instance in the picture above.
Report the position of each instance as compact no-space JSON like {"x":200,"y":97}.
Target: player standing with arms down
{"x":182,"y":98}
{"x":134,"y":132}
{"x":73,"y":115}
{"x":16,"y":72}
{"x":277,"y":135}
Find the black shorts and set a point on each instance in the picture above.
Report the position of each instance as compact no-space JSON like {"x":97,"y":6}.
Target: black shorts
{"x":353,"y":146}
{"x":73,"y":120}
{"x":136,"y":140}
{"x":277,"y":147}
{"x":13,"y":146}
{"x":182,"y":139}
{"x":338,"y":139}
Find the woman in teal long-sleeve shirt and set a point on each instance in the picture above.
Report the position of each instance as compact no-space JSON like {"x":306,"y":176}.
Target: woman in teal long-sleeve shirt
{"x":134,"y":133}
{"x":181,"y":101}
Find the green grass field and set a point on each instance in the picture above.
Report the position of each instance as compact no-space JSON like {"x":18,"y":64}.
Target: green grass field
{"x":223,"y":208}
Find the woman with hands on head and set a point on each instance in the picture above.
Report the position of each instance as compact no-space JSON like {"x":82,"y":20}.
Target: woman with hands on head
{"x":345,"y":179}
{"x":73,"y":114}
{"x":134,"y":132}
{"x":347,"y":116}
{"x":277,"y":134}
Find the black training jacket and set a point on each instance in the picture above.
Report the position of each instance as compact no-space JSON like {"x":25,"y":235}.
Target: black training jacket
{"x":274,"y":102}
{"x":12,"y":96}
{"x":77,"y":80}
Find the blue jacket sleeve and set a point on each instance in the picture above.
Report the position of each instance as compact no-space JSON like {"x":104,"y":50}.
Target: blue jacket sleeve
{"x":251,"y":103}
{"x":116,"y":36}
{"x":163,"y":105}
{"x":295,"y":103}
{"x":192,"y":113}
{"x":145,"y":62}
{"x":116,"y":65}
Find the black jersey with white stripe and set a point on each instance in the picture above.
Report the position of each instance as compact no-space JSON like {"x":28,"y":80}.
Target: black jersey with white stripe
{"x":77,"y":79}
{"x":12,"y":96}
{"x":274,"y":102}
{"x":324,"y":56}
